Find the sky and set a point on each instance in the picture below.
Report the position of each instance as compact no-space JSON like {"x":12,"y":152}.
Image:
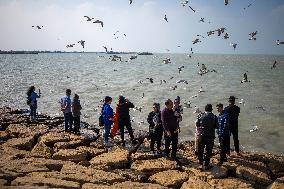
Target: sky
{"x":143,"y":24}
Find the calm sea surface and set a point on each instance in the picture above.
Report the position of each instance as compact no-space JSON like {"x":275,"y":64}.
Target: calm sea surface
{"x":93,"y":77}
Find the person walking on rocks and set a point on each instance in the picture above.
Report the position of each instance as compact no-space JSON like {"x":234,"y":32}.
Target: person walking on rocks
{"x":233,"y":116}
{"x":123,"y":107}
{"x":223,"y":133}
{"x":170,"y":125}
{"x":155,"y":128}
{"x":206,"y":124}
{"x":76,"y":110}
{"x":32,"y":101}
{"x":108,"y":118}
{"x":66,"y":109}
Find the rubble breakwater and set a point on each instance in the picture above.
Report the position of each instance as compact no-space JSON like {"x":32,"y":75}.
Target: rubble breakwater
{"x":41,"y":155}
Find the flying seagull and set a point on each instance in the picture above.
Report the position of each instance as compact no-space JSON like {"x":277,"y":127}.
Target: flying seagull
{"x":234,"y":45}
{"x":38,"y":27}
{"x":210,"y":33}
{"x":247,"y":6}
{"x":130,"y":2}
{"x":99,"y":22}
{"x":220,"y":31}
{"x":226,"y":2}
{"x":82,"y":43}
{"x":180,"y":69}
{"x":105,"y":48}
{"x":198,"y":35}
{"x":226,"y":36}
{"x":150,"y":79}
{"x":201,"y":20}
{"x":184,"y":3}
{"x":88,"y":18}
{"x":252,"y":35}
{"x":192,"y":9}
{"x":279,"y":42}
{"x":70,"y":45}
{"x":196,"y":41}
{"x":165,"y":18}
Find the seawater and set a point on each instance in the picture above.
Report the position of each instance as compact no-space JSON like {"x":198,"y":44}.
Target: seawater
{"x":92,"y":77}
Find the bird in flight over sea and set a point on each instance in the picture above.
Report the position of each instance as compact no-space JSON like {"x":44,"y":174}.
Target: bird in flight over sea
{"x":150,"y":79}
{"x":82,"y":43}
{"x":210,"y":33}
{"x":220,"y":31}
{"x":165,"y":18}
{"x":247,"y":6}
{"x":196,"y":41}
{"x":192,"y":9}
{"x":105,"y":48}
{"x":201,"y":20}
{"x":38,"y":27}
{"x":70,"y":45}
{"x":99,"y":22}
{"x":88,"y":18}
{"x":130,"y":2}
{"x":184,"y":3}
{"x":274,"y":64}
{"x":226,"y":2}
{"x":280,"y":42}
{"x":198,"y":35}
{"x":252,"y":35}
{"x":226,"y":36}
{"x":234,"y":45}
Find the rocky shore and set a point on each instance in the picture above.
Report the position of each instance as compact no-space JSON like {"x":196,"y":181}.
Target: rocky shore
{"x":40,"y":155}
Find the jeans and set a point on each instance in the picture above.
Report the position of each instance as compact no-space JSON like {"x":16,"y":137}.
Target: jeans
{"x":33,"y":111}
{"x":224,"y":140}
{"x":68,"y":120}
{"x":106,"y":132}
{"x":208,"y":142}
{"x":174,"y":140}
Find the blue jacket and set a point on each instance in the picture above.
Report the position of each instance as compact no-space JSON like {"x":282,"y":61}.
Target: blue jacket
{"x":107,"y":113}
{"x":223,"y":124}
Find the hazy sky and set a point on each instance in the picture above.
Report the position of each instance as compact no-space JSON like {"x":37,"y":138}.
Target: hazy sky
{"x":143,"y":24}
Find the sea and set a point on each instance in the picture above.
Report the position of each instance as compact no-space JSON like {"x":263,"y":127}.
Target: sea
{"x":93,"y":76}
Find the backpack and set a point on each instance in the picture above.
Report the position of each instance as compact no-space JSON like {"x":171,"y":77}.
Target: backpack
{"x":101,"y":118}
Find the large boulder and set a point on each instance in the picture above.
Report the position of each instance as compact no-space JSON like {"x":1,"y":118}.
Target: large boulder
{"x":170,"y":178}
{"x":277,"y":184}
{"x":230,"y":183}
{"x":40,"y":181}
{"x":253,"y":175}
{"x":154,"y":165}
{"x":196,"y":183}
{"x":115,"y":159}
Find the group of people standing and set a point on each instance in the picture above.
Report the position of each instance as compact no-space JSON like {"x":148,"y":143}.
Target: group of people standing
{"x":161,"y":122}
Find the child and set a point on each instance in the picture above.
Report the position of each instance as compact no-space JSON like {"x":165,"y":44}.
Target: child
{"x":155,"y":128}
{"x":76,"y":109}
{"x":178,"y":110}
{"x":107,"y":118}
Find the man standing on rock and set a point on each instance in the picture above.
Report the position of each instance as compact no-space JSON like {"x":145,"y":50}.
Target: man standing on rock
{"x":170,"y":125}
{"x":206,"y":124}
{"x":66,"y":109}
{"x":233,"y":116}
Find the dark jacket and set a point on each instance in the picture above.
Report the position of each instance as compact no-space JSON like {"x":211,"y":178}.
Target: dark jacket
{"x":169,"y":120}
{"x":123,"y":112}
{"x":223,"y":124}
{"x":76,"y":108}
{"x":155,"y":122}
{"x":206,"y":124}
{"x":107,"y":114}
{"x":233,"y":115}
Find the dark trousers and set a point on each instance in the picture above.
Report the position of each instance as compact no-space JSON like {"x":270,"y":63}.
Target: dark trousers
{"x":33,"y":111}
{"x":76,"y":123}
{"x":224,"y":147}
{"x":208,"y":142}
{"x":128,"y":127}
{"x":156,"y":137}
{"x":68,"y":120}
{"x":235,"y":134}
{"x":171,"y":139}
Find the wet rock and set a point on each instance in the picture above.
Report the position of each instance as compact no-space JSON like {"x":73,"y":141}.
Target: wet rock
{"x":154,"y":165}
{"x":4,"y":135}
{"x":40,"y":150}
{"x":115,"y":159}
{"x":230,"y":183}
{"x":253,"y":175}
{"x":170,"y":178}
{"x":277,"y":184}
{"x":196,"y":183}
{"x":20,"y":143}
{"x":40,"y":181}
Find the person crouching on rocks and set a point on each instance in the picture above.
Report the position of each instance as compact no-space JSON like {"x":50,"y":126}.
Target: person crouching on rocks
{"x":32,"y":101}
{"x":206,"y":124}
{"x":107,"y":118}
{"x":155,"y":128}
{"x":76,"y":110}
